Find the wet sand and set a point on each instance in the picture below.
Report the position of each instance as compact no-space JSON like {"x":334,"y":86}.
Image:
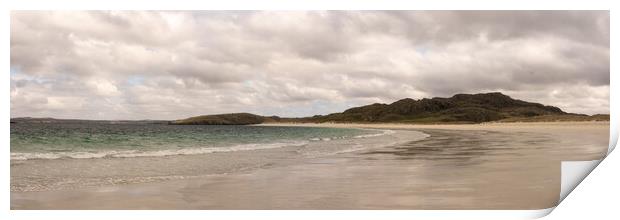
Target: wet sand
{"x":488,"y":166}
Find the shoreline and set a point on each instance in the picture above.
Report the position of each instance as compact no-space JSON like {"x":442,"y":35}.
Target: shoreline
{"x":87,"y":172}
{"x":23,"y":156}
{"x":481,"y":166}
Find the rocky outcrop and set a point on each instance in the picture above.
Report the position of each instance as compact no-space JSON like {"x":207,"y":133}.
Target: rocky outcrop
{"x":472,"y":108}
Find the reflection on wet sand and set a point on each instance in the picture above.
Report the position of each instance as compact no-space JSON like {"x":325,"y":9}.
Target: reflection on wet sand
{"x":455,"y":168}
{"x":469,"y":147}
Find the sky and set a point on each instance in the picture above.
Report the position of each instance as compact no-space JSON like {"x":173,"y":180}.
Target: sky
{"x":176,"y":64}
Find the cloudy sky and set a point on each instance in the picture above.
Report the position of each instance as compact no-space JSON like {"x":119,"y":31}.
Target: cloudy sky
{"x":169,"y":65}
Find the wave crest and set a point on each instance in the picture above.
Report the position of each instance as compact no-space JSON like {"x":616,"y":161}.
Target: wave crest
{"x":158,"y":153}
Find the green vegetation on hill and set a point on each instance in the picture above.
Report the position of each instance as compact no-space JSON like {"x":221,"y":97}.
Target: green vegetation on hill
{"x":460,"y":108}
{"x":223,"y":119}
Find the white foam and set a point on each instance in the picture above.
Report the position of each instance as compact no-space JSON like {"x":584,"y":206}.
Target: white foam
{"x":188,"y":151}
{"x":384,"y":132}
{"x":359,"y":147}
{"x":160,"y":153}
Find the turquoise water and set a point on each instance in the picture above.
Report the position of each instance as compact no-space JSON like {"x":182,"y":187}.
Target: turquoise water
{"x":98,"y":140}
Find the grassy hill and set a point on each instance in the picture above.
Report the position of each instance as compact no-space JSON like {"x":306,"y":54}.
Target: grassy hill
{"x":222,"y":119}
{"x":460,"y":108}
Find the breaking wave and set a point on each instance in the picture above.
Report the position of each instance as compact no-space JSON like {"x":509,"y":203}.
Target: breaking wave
{"x":158,"y":153}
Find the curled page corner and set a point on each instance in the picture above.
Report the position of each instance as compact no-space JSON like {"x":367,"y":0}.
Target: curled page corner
{"x":573,"y":172}
{"x":540,"y":213}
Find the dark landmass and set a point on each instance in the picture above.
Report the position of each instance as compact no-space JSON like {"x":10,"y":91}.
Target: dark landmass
{"x":222,"y":119}
{"x":458,"y":109}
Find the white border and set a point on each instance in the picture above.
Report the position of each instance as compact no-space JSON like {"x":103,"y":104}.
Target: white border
{"x":281,"y":5}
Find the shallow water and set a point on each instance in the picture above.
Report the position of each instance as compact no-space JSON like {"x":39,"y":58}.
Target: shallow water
{"x":122,"y":154}
{"x":97,"y":140}
{"x":499,"y":168}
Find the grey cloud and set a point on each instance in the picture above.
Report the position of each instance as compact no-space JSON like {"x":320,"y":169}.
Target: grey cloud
{"x":150,"y":64}
{"x":440,"y":26}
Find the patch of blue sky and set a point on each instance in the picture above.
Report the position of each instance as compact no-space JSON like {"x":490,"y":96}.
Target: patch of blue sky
{"x":14,"y":71}
{"x":135,"y":80}
{"x":17,"y":74}
{"x":421,"y":50}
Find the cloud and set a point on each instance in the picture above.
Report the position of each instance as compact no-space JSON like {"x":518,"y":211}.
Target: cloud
{"x":168,"y":65}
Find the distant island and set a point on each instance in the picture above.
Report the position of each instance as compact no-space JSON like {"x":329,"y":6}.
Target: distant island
{"x":458,"y":109}
{"x":222,"y":119}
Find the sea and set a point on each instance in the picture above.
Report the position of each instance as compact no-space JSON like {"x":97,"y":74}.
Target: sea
{"x":96,"y":165}
{"x":100,"y":140}
{"x":60,"y":155}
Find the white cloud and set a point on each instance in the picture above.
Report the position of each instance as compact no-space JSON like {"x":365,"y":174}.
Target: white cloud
{"x":167,"y":65}
{"x":103,"y":87}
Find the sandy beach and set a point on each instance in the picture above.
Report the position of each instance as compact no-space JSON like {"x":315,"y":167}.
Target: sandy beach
{"x":477,"y":166}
